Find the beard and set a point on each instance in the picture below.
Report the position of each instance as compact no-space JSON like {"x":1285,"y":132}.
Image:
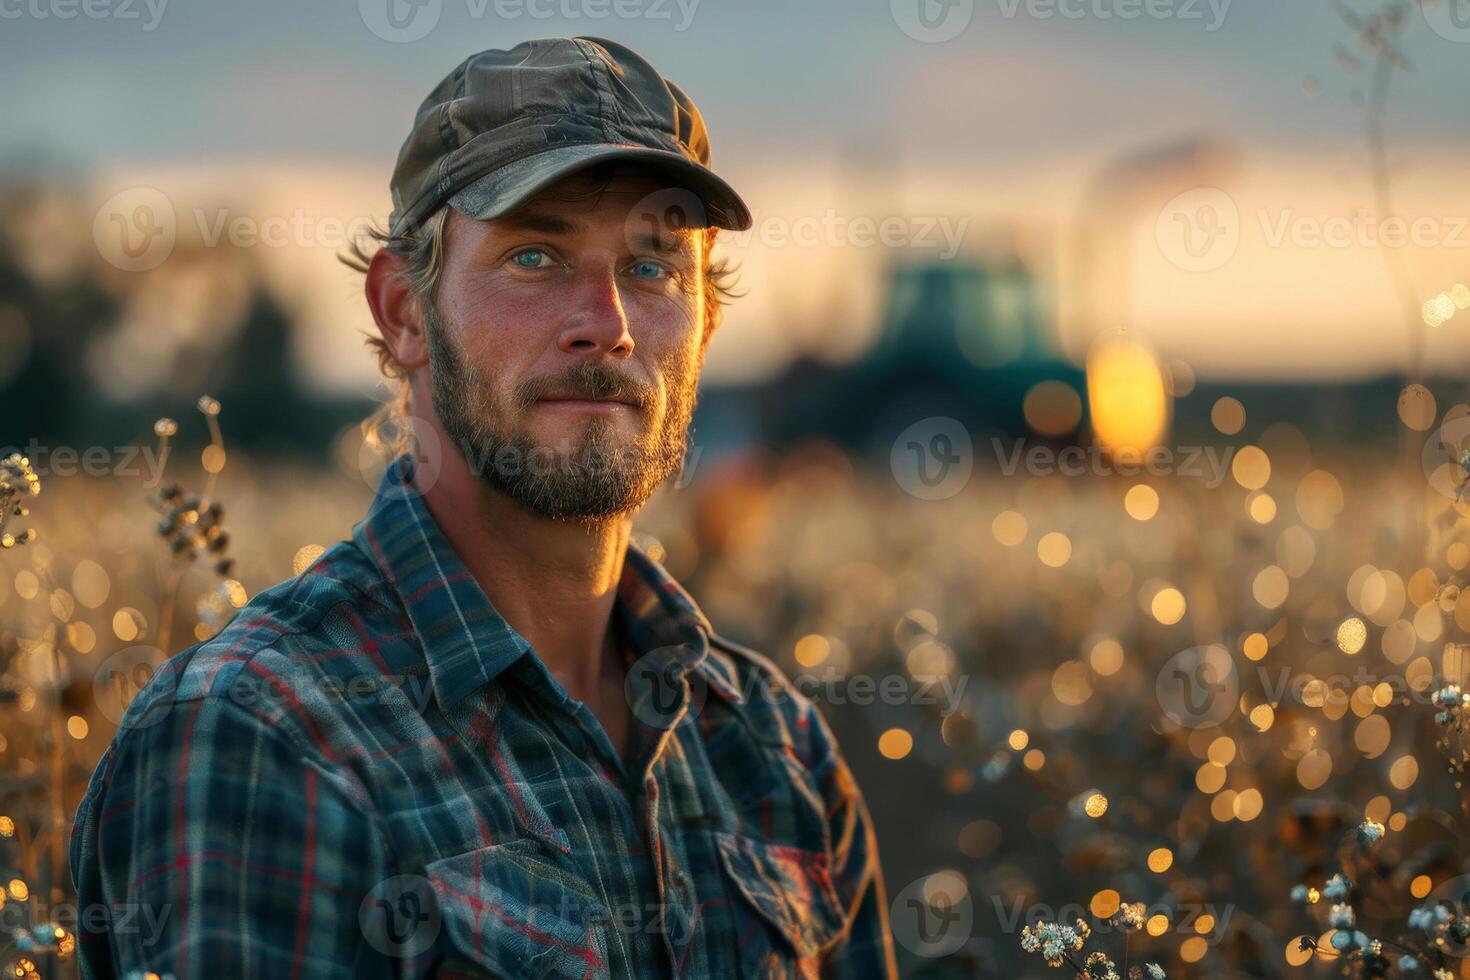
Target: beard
{"x":594,"y":473}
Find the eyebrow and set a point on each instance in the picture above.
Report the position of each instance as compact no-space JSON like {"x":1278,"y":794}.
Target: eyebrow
{"x":665,"y":244}
{"x":546,"y":224}
{"x":550,"y":224}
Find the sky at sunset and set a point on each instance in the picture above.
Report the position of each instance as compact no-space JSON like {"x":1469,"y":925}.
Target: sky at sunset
{"x":830,"y":118}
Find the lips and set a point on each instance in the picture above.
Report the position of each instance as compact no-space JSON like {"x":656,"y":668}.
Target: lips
{"x":591,"y":401}
{"x":587,"y":406}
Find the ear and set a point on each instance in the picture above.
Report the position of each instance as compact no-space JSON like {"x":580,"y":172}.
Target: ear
{"x":395,"y":309}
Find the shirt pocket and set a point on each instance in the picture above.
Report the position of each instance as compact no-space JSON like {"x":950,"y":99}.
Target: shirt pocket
{"x":518,"y":911}
{"x":786,"y":912}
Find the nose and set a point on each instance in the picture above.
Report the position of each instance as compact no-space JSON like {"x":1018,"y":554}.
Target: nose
{"x":598,"y":323}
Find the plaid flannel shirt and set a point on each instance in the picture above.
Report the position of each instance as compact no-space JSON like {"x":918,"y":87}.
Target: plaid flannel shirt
{"x":369,"y":773}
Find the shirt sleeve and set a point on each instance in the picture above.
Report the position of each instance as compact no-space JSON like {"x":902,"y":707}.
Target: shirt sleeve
{"x":866,"y":947}
{"x":209,"y":845}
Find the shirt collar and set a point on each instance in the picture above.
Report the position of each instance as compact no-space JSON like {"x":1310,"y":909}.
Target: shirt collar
{"x":466,"y":643}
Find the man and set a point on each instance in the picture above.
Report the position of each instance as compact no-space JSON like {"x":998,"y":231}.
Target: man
{"x":488,"y":735}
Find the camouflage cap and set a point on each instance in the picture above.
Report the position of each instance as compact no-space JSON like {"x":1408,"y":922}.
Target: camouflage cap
{"x":506,"y":124}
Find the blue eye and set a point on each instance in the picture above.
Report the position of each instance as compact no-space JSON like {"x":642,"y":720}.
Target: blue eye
{"x":531,"y":258}
{"x":648,"y":270}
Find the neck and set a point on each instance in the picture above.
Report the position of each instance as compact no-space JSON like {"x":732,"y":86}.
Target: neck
{"x":554,"y":582}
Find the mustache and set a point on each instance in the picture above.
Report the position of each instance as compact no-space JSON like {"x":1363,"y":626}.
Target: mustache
{"x":589,"y":379}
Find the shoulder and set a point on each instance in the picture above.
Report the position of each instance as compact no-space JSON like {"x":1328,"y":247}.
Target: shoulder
{"x":772,"y":704}
{"x":259,"y":701}
{"x":271,"y":664}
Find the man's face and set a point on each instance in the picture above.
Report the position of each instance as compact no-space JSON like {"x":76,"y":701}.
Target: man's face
{"x":565,"y":347}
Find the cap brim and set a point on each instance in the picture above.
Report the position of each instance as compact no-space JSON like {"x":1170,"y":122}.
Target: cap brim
{"x":501,"y":191}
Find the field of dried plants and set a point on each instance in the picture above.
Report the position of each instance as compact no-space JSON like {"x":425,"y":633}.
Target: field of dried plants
{"x":1219,"y":724}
